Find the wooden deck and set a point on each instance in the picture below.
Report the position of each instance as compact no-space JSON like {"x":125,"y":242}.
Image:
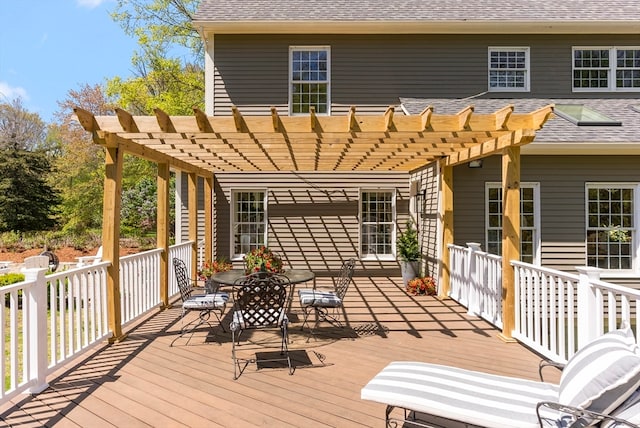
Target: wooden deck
{"x":144,"y":382}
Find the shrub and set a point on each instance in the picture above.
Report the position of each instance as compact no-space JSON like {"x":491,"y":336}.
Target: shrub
{"x":10,"y":278}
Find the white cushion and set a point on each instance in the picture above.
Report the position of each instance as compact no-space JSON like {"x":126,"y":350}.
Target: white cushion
{"x":472,"y":397}
{"x":603,"y":374}
{"x":312,"y":297}
{"x":208,"y":301}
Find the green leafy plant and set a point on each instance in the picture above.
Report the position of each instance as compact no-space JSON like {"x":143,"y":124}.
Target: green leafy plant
{"x":407,"y":243}
{"x":262,"y":259}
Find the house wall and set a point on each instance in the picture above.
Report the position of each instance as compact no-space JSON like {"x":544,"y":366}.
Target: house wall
{"x":425,"y":211}
{"x":313,"y":218}
{"x":562,"y":201}
{"x":372,"y":71}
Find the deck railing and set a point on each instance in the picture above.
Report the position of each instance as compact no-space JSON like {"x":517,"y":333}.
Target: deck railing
{"x":556,"y":312}
{"x":49,"y":320}
{"x":476,"y":282}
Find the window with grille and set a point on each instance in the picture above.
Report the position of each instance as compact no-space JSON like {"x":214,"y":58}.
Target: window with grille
{"x":610,"y":226}
{"x":377,"y":224}
{"x":529,"y":220}
{"x":249,"y":221}
{"x":309,"y":79}
{"x":606,"y":69}
{"x":509,"y":69}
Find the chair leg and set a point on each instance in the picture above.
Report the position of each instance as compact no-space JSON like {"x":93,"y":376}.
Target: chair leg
{"x":203,"y":318}
{"x":284,"y":349}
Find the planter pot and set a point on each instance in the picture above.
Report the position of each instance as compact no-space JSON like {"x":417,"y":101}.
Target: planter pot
{"x":410,"y":270}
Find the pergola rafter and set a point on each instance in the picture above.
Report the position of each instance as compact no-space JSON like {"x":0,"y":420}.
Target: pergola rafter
{"x":387,"y":142}
{"x":203,"y":145}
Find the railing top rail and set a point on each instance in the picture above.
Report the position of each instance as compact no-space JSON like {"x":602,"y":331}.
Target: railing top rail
{"x":488,"y":255}
{"x":618,"y":289}
{"x":75,"y":270}
{"x":141,"y":254}
{"x":16,"y":286}
{"x":564,"y":275}
{"x":182,"y":244}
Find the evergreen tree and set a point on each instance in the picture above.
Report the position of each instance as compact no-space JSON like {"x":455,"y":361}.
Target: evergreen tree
{"x":27,"y":202}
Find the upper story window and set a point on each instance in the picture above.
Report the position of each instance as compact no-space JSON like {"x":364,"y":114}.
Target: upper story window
{"x":509,"y":69}
{"x":377,"y":224}
{"x":606,"y":69}
{"x":610,"y":229}
{"x":249,"y":221}
{"x":529,"y":220}
{"x":309,"y":79}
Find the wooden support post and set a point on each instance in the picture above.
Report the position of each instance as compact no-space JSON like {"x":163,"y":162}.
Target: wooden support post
{"x":446,"y":215}
{"x":111,"y":237}
{"x":163,"y":231}
{"x":510,"y":236}
{"x":208,"y":218}
{"x":193,"y":221}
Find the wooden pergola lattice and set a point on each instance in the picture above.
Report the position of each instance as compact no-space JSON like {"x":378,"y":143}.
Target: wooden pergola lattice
{"x":203,"y":145}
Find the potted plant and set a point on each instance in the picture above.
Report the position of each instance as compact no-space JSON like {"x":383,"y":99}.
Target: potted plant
{"x":207,"y":271}
{"x":262,"y":259}
{"x":408,"y":249}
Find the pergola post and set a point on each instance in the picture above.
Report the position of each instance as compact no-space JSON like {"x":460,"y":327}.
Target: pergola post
{"x":446,"y":213}
{"x":163,"y":230}
{"x":111,"y":237}
{"x":193,"y":221}
{"x":208,"y":218}
{"x":510,"y":235}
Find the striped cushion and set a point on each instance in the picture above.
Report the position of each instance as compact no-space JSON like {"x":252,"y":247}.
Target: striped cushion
{"x":601,"y":375}
{"x":629,"y":411}
{"x":208,"y":301}
{"x":469,"y":396}
{"x":311,"y":297}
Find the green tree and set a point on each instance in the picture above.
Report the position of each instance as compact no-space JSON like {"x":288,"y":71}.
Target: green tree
{"x":79,"y":175}
{"x":27,"y":202}
{"x":169,"y":66}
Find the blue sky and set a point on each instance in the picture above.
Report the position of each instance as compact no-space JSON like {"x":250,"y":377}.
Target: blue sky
{"x":48,"y":47}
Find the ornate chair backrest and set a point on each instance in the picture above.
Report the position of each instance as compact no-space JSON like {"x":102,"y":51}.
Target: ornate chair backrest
{"x":346,"y":273}
{"x":182,"y":278}
{"x":261,"y":299}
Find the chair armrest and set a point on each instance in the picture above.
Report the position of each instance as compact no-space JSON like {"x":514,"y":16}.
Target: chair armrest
{"x":575,"y":417}
{"x":549,"y":363}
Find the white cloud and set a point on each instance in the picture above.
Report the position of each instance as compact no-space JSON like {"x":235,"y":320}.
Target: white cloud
{"x":91,"y":4}
{"x":9,"y":93}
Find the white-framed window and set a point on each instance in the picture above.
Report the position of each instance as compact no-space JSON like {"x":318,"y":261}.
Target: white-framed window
{"x":610,"y":226}
{"x":529,"y":220}
{"x":248,"y":221}
{"x":606,"y":69}
{"x":509,"y":69}
{"x":309,"y":79}
{"x":377,"y":224}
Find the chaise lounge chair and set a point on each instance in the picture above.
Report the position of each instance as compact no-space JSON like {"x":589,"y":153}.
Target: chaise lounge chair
{"x":598,"y":386}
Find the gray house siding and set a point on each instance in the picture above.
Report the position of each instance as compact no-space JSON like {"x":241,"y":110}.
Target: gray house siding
{"x":313,"y":218}
{"x":426,"y":214}
{"x":372,"y":71}
{"x":562,"y":201}
{"x":184,"y":220}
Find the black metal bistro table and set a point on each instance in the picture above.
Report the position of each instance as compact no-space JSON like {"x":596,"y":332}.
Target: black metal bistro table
{"x":295,"y":276}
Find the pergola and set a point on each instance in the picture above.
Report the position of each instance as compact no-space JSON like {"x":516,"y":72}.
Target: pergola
{"x":202,"y":145}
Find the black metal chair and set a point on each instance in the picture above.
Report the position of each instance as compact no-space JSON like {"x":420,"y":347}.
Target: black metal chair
{"x":260,"y":302}
{"x":205,"y":304}
{"x":327,"y":304}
